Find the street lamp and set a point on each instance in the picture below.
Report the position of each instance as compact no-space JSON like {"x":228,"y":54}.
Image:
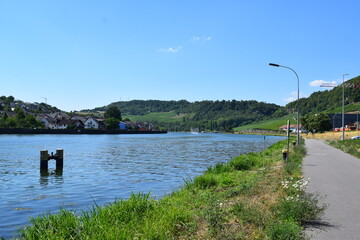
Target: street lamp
{"x":297,"y":103}
{"x":343,"y":107}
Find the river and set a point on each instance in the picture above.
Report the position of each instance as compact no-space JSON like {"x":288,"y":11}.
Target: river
{"x":100,"y":168}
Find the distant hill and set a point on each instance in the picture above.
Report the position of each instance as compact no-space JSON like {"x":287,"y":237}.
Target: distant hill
{"x":225,"y":115}
{"x":328,"y":100}
{"x":205,"y":115}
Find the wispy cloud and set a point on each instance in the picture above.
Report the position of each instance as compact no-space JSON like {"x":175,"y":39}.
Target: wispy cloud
{"x":317,"y":83}
{"x":293,"y":97}
{"x":201,"y":38}
{"x":170,"y":49}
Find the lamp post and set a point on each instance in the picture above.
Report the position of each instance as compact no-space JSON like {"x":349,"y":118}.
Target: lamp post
{"x":297,"y":102}
{"x":343,"y":107}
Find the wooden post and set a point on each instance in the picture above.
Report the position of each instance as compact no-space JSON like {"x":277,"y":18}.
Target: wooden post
{"x":288,"y":140}
{"x":59,"y":159}
{"x":44,"y":158}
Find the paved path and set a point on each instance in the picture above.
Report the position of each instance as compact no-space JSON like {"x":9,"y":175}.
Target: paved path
{"x":335,"y":175}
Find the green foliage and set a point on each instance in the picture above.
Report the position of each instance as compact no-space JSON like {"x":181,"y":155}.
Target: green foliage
{"x":271,"y":124}
{"x":285,"y":230}
{"x":249,"y":214}
{"x":112,"y":123}
{"x":113,"y":112}
{"x":19,"y":113}
{"x":351,"y":146}
{"x":139,"y":217}
{"x":219,"y":168}
{"x":301,"y":207}
{"x":319,"y":122}
{"x":21,"y":120}
{"x":205,"y":181}
{"x":215,"y":216}
{"x":205,"y":115}
{"x":244,"y":162}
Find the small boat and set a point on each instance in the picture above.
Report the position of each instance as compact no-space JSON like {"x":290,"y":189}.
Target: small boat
{"x":194,"y":130}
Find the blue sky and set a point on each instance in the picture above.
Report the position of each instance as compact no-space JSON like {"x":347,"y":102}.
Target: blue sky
{"x":84,"y":54}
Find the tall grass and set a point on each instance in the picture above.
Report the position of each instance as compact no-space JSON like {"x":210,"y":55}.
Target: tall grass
{"x":351,"y":146}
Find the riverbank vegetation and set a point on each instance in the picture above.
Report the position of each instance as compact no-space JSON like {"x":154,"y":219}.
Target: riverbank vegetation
{"x":253,"y":196}
{"x":20,"y":120}
{"x":351,"y":146}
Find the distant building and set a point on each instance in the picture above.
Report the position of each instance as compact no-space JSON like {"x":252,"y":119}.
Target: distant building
{"x":48,"y":122}
{"x":123,"y":126}
{"x":350,"y":119}
{"x":95,"y":123}
{"x":292,"y":127}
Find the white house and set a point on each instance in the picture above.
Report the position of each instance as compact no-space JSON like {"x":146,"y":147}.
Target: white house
{"x":95,"y":123}
{"x":48,"y":122}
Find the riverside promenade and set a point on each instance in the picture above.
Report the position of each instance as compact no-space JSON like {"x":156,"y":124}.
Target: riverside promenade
{"x":335,"y":175}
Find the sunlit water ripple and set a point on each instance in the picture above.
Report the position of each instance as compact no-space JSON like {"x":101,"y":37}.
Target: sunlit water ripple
{"x":101,"y":168}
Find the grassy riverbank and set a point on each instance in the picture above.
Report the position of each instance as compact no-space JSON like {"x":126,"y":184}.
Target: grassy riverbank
{"x":253,"y":196}
{"x":351,"y":146}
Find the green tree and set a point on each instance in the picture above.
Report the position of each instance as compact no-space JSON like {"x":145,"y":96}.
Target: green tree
{"x":112,"y":123}
{"x":10,"y":99}
{"x":3,"y":120}
{"x":11,"y":122}
{"x":319,"y":122}
{"x":31,"y":121}
{"x":19,"y":113}
{"x":113,"y":112}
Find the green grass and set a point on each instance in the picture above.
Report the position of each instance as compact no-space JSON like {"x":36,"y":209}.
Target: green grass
{"x":348,"y":108}
{"x":156,"y":116}
{"x":241,"y":199}
{"x":351,"y":146}
{"x":272,"y":124}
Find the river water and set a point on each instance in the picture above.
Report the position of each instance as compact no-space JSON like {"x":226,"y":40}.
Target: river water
{"x":100,"y":168}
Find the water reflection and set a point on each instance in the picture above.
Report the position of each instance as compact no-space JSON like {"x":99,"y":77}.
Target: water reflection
{"x":53,"y":176}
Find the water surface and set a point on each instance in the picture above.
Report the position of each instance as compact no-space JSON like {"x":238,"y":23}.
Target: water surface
{"x":101,"y":168}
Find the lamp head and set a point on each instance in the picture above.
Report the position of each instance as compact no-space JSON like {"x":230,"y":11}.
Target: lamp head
{"x":274,"y":64}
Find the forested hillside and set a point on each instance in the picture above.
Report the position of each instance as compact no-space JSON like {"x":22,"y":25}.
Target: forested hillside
{"x":205,"y":115}
{"x":328,"y":100}
{"x":225,"y":115}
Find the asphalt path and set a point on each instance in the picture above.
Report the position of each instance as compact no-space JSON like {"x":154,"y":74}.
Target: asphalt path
{"x":336,"y":176}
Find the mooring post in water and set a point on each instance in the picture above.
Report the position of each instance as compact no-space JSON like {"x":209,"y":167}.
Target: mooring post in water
{"x":45,"y":157}
{"x":59,"y":159}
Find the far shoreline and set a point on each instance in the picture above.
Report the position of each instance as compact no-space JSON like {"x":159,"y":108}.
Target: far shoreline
{"x":73,"y":131}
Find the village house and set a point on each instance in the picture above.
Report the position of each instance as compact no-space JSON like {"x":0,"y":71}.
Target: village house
{"x":81,"y":118}
{"x":94,"y":123}
{"x":59,"y":115}
{"x":67,"y":123}
{"x":48,"y":122}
